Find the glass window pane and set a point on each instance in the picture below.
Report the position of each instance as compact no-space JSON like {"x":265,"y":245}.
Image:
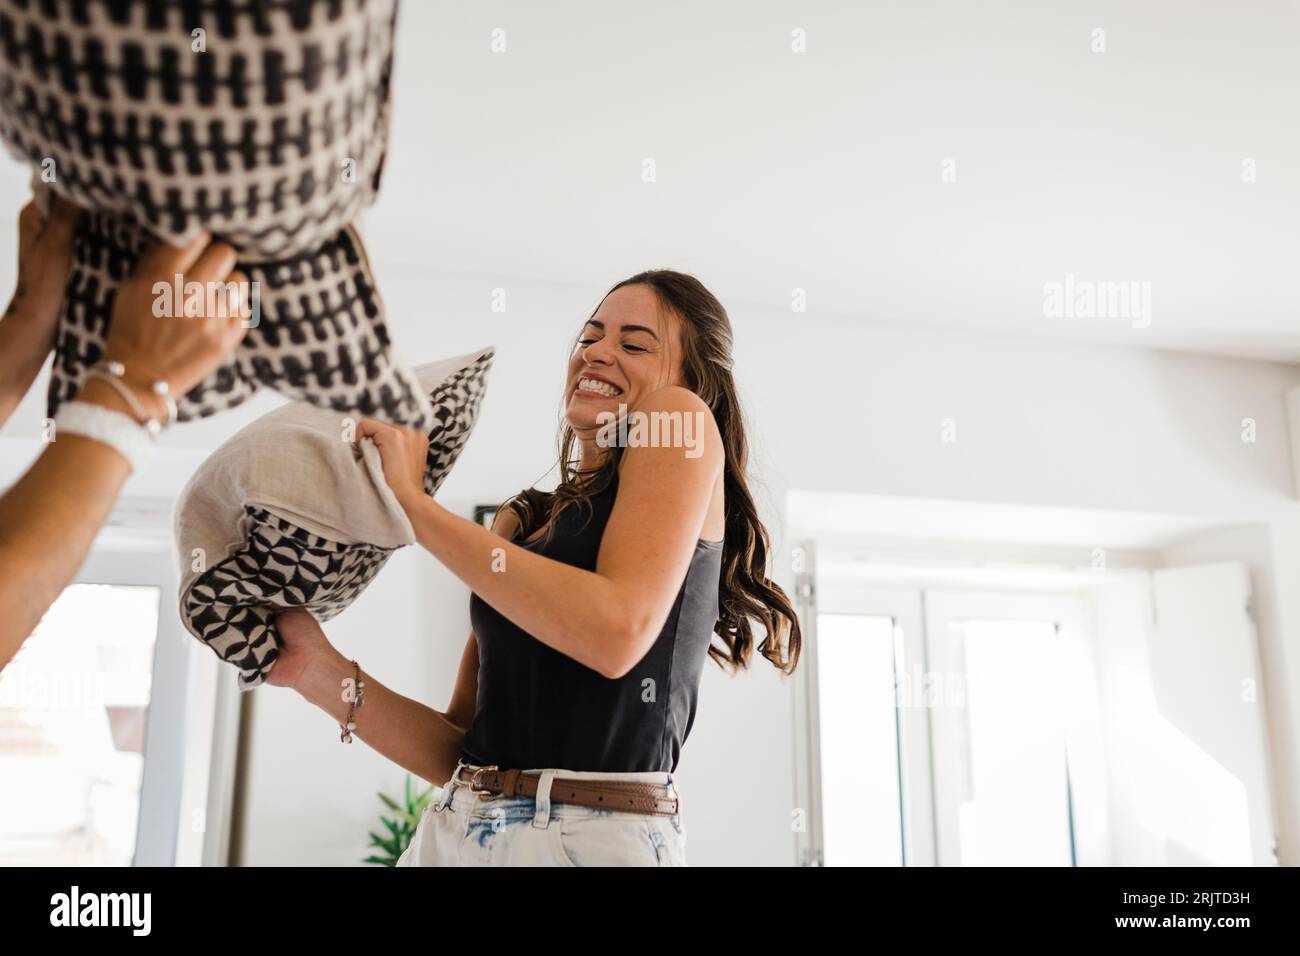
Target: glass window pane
{"x":1013,"y":809}
{"x":861,"y":819}
{"x":73,"y":706}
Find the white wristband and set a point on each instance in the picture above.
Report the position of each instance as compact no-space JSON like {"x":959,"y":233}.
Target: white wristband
{"x":120,"y":432}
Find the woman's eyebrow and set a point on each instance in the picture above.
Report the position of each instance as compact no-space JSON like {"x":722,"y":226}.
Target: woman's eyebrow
{"x":641,"y":328}
{"x":627,"y":328}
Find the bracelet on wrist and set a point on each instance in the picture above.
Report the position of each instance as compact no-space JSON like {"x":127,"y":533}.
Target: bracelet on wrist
{"x":354,"y":692}
{"x":114,"y":374}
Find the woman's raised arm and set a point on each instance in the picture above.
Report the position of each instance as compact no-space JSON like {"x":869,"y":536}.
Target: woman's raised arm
{"x":49,"y":518}
{"x":608,"y":618}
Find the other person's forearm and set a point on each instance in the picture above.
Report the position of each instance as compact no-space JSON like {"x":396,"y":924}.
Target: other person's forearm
{"x":48,"y":521}
{"x":412,"y":735}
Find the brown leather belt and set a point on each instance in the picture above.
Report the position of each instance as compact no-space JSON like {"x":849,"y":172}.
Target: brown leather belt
{"x":627,"y":796}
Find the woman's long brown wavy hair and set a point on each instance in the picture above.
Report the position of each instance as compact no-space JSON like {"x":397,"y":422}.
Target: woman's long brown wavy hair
{"x":746,"y":595}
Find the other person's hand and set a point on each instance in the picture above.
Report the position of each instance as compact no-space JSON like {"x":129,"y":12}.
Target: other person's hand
{"x":153,"y":334}
{"x":44,"y":262}
{"x":28,"y":328}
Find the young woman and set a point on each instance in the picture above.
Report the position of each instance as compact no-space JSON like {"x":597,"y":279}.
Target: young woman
{"x":594,"y":606}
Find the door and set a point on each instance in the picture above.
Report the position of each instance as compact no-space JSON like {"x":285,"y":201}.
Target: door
{"x":1205,"y":674}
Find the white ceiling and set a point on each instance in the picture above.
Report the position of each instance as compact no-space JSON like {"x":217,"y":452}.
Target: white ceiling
{"x":821,"y":170}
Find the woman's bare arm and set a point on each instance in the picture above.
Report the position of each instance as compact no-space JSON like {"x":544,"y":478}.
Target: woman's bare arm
{"x":49,"y":518}
{"x":608,"y":618}
{"x":464,"y":696}
{"x":412,"y":735}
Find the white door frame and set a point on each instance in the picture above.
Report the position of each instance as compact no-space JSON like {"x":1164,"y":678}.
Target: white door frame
{"x":903,"y":607}
{"x":192,"y":723}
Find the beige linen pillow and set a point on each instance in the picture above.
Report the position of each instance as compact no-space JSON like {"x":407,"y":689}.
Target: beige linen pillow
{"x":288,"y":513}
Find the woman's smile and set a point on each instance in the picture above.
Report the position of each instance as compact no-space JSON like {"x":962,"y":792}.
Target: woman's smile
{"x":594,"y":386}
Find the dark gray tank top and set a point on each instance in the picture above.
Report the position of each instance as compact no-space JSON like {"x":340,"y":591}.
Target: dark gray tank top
{"x":538,"y":708}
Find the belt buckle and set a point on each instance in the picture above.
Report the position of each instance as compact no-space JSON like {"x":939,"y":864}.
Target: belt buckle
{"x":474,"y":779}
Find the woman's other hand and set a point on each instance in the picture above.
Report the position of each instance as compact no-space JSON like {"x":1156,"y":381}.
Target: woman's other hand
{"x":403,"y":451}
{"x":44,"y":262}
{"x":304,"y":648}
{"x":28,"y":328}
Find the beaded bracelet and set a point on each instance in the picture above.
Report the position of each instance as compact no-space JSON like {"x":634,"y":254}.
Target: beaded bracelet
{"x":114,"y":374}
{"x":355,"y":700}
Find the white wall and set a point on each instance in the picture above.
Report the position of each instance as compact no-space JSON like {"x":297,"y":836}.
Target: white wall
{"x":834,"y":406}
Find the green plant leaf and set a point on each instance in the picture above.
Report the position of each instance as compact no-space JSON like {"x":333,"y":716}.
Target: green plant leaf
{"x":412,"y":820}
{"x":406,"y":822}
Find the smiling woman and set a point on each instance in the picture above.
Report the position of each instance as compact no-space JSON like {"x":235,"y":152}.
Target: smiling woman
{"x":594,"y":607}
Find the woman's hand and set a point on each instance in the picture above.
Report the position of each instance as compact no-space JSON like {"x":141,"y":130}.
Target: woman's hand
{"x":151,"y":334}
{"x":305,"y":648}
{"x":403,"y":451}
{"x":27,"y":331}
{"x":44,"y":262}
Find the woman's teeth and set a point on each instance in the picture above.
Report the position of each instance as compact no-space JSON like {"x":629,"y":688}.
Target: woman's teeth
{"x":599,"y":387}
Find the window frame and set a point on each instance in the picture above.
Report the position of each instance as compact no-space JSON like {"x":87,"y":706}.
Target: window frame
{"x":904,"y":599}
{"x":1069,"y":612}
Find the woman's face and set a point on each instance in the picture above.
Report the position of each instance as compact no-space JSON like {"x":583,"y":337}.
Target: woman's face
{"x":629,"y":348}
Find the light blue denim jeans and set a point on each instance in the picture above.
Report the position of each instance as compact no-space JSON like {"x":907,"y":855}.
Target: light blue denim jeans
{"x":463,"y":828}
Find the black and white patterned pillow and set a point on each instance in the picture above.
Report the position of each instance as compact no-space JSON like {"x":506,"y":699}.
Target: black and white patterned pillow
{"x":231,"y":607}
{"x":275,"y":562}
{"x":265,"y":123}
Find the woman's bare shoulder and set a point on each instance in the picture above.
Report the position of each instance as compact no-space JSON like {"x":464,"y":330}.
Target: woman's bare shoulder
{"x":505,"y":522}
